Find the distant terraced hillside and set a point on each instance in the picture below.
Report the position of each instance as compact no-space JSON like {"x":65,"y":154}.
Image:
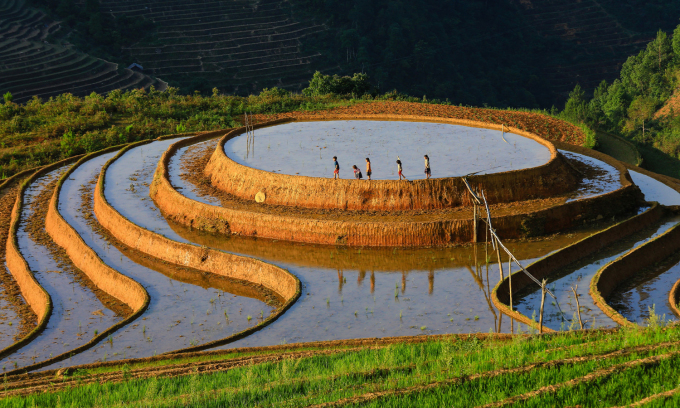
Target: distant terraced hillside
{"x":238,"y":45}
{"x":30,"y":66}
{"x":599,"y":44}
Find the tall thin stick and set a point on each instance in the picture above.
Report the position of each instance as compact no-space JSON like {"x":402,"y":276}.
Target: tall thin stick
{"x":578,"y":307}
{"x":474,"y":225}
{"x":540,"y":319}
{"x":500,"y":263}
{"x":510,"y":280}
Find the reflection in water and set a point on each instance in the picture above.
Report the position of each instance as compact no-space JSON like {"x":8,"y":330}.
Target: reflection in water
{"x":411,"y":291}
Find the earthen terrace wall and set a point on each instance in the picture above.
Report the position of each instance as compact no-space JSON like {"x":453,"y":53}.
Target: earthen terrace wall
{"x":34,"y":294}
{"x":623,"y":268}
{"x":544,"y":267}
{"x":436,"y":232}
{"x":280,"y":281}
{"x":553,"y":178}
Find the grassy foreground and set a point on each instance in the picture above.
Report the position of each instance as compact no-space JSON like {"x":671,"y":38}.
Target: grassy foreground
{"x":588,"y":369}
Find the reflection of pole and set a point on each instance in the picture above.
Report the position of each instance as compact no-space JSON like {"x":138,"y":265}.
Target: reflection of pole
{"x":372,"y":282}
{"x":360,"y":279}
{"x":500,"y":264}
{"x":403,"y":282}
{"x":340,"y":280}
{"x":430,"y":279}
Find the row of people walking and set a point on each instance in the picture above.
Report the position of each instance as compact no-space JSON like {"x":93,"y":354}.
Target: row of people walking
{"x":369,"y":172}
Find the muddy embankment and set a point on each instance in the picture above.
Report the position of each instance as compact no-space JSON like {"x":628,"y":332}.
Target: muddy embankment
{"x":620,"y":270}
{"x":544,"y":267}
{"x":273,"y":278}
{"x":434,"y":231}
{"x":35,"y":295}
{"x":553,"y":178}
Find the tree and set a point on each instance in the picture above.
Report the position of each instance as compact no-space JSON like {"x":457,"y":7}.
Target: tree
{"x":676,"y":43}
{"x":8,"y":98}
{"x":641,"y":110}
{"x":576,"y":106}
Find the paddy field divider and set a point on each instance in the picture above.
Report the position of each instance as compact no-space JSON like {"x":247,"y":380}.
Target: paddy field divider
{"x":625,"y":267}
{"x":33,"y":293}
{"x":552,"y":178}
{"x":286,"y":285}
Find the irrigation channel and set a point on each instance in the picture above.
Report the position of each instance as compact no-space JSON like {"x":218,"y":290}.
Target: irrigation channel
{"x":347,"y":292}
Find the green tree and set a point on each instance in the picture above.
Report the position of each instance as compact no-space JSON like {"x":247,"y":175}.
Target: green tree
{"x":576,"y":107}
{"x":676,"y":43}
{"x":8,"y":98}
{"x":640,"y":111}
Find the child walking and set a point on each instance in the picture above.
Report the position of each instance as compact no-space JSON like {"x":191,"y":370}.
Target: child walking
{"x":336,"y":168}
{"x":368,"y":168}
{"x":399,"y":168}
{"x":428,"y":172}
{"x":357,"y":172}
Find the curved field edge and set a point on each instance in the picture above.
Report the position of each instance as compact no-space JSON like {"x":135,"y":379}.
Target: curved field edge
{"x":340,"y":373}
{"x":278,"y":280}
{"x":437,"y":231}
{"x":32,"y":292}
{"x":84,"y":258}
{"x":549,"y":264}
{"x":625,"y":266}
{"x":40,"y":323}
{"x":552,"y":178}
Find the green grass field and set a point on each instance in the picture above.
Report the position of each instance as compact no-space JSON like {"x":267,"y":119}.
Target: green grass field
{"x":588,"y":369}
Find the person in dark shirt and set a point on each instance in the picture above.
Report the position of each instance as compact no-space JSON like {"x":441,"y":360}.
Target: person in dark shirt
{"x":428,"y":172}
{"x":336,"y":168}
{"x":357,"y":173}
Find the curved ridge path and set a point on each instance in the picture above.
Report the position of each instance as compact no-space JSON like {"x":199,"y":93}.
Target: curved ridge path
{"x":360,"y":292}
{"x":185,"y":308}
{"x":76,"y":310}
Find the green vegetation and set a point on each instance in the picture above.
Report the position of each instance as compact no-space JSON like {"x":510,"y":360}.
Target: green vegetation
{"x":625,"y":366}
{"x":39,"y":133}
{"x":628,"y":106}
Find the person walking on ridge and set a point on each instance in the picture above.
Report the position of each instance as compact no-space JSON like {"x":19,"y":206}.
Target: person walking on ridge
{"x":368,"y":169}
{"x":399,"y":168}
{"x":428,"y":172}
{"x":357,"y":172}
{"x":336,"y":168}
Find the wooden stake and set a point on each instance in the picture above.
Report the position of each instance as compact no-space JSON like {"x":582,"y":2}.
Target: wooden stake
{"x":540,"y":319}
{"x":500,"y":263}
{"x":578,"y":307}
{"x":510,"y":281}
{"x":474,"y":225}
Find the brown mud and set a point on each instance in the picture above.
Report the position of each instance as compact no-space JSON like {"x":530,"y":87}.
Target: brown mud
{"x":35,"y":226}
{"x":545,"y":126}
{"x":176,"y":272}
{"x":194,"y":160}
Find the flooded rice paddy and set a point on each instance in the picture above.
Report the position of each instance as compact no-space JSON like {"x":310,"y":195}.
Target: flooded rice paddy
{"x":76,"y":310}
{"x":307,"y":149}
{"x":347,"y":292}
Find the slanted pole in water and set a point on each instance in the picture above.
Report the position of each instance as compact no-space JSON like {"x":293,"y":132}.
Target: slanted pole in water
{"x":540,"y":318}
{"x":578,"y":307}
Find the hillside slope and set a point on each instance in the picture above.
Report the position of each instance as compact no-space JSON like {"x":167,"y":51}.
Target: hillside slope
{"x":32,"y":66}
{"x":238,"y":46}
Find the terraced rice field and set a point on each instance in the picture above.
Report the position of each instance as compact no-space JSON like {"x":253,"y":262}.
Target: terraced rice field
{"x":32,"y":66}
{"x":235,"y":45}
{"x":118,"y":287}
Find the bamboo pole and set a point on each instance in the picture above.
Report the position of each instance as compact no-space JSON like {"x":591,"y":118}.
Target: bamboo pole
{"x":578,"y":307}
{"x":510,"y":280}
{"x":540,"y":319}
{"x":500,"y":263}
{"x":474,"y":224}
